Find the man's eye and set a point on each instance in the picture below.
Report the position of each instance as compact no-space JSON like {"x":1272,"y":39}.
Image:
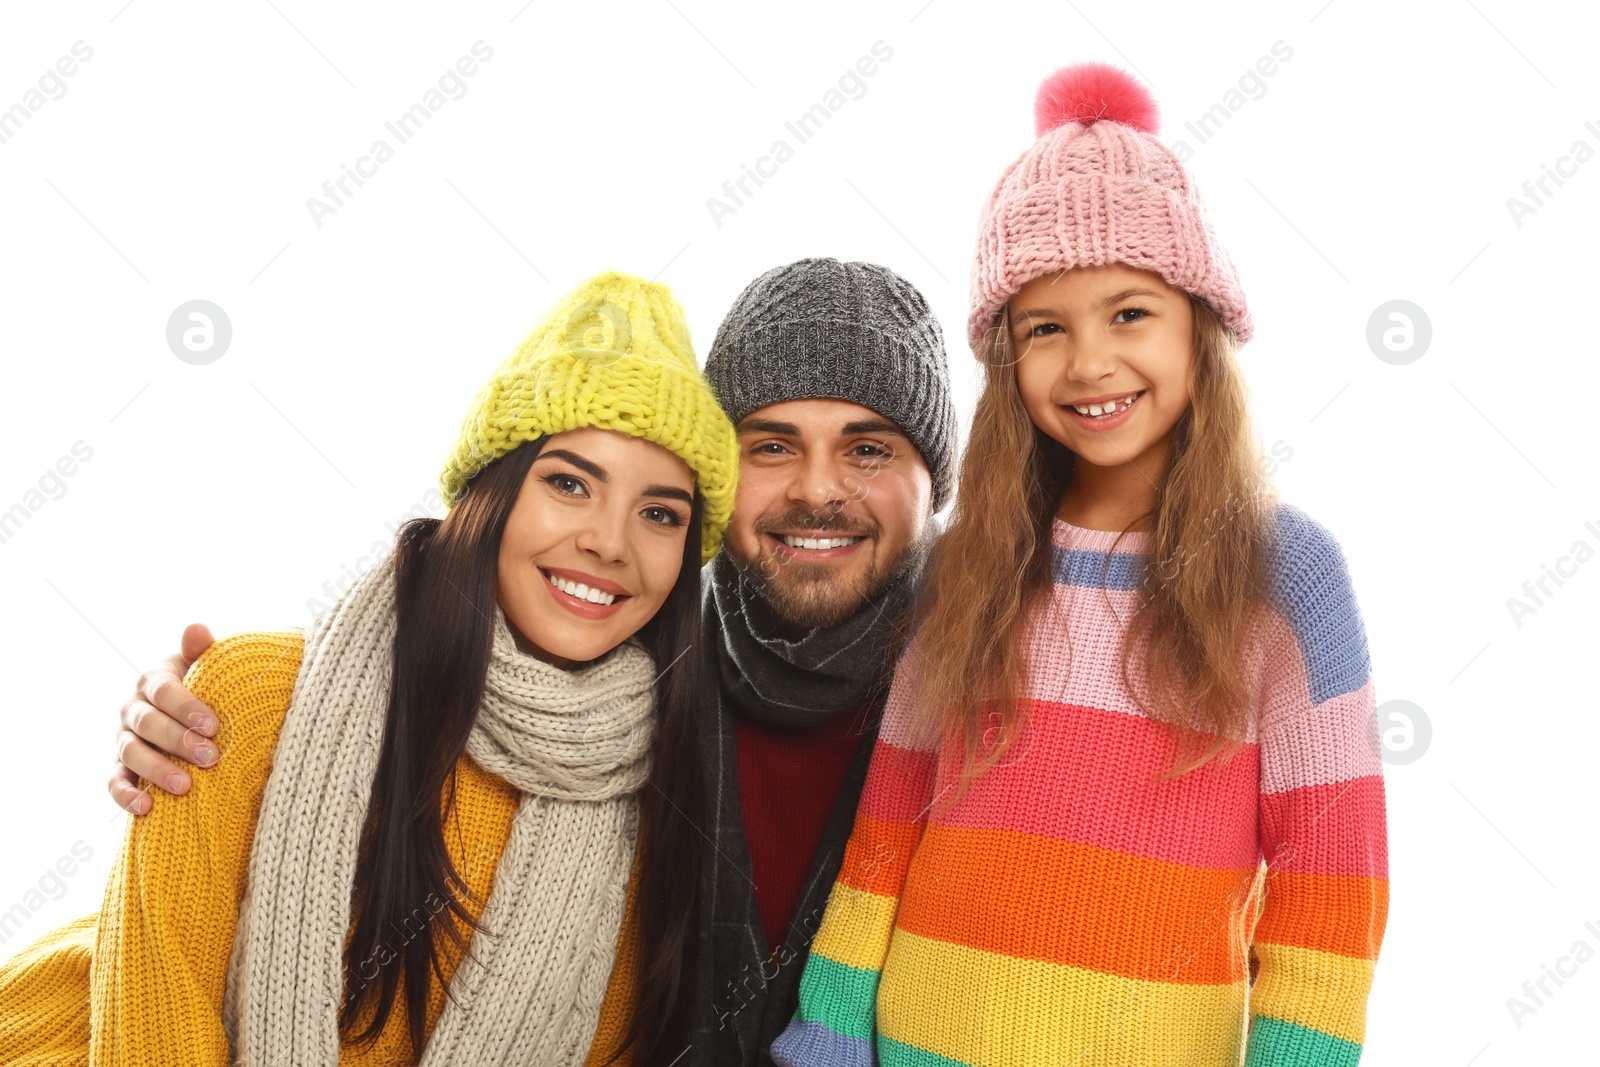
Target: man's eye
{"x":768,"y":448}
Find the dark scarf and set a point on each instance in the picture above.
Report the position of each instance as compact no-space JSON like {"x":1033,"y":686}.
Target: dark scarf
{"x":746,"y":995}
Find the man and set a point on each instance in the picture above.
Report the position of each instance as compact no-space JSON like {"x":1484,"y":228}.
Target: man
{"x":835,"y":376}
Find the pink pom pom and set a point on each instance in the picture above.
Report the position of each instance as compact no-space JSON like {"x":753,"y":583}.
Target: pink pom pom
{"x":1087,"y":92}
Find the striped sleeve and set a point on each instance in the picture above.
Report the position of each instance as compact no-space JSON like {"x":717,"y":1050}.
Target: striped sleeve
{"x":836,"y":1019}
{"x":1321,"y":818}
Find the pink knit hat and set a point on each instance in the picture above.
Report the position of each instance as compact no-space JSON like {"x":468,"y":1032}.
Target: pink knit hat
{"x":1097,"y":187}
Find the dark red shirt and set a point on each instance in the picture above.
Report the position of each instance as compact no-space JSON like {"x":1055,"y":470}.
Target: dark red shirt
{"x":788,"y":781}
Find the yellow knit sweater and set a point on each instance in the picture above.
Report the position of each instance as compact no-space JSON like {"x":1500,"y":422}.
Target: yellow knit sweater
{"x":142,"y":982}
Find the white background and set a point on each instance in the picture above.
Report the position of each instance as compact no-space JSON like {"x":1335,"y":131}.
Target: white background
{"x":1375,"y":166}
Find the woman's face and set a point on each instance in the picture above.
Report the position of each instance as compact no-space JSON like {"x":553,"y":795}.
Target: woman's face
{"x":1114,"y":337}
{"x":594,"y":543}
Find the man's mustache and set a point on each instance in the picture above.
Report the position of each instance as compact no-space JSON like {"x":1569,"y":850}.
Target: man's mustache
{"x":811,"y":521}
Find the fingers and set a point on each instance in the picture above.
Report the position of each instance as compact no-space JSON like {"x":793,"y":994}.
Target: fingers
{"x":196,"y":639}
{"x":163,"y":689}
{"x":149,"y":763}
{"x":167,"y":735}
{"x":125,"y":791}
{"x":163,"y":719}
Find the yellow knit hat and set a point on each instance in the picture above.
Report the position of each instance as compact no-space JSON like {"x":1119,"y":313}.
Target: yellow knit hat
{"x":613,"y":354}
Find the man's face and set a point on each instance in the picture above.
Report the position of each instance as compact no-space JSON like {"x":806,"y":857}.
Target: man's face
{"x":831,"y":495}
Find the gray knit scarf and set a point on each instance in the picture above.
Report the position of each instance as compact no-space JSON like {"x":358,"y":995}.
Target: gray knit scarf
{"x":576,"y":744}
{"x":801,"y":682}
{"x":745,"y":995}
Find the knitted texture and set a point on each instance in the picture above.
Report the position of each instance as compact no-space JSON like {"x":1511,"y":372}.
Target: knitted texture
{"x":746,"y":985}
{"x":789,"y":781}
{"x":1070,"y":908}
{"x":819,"y":328}
{"x":159,"y":945}
{"x":614,"y":354}
{"x":1094,"y":190}
{"x":576,"y":744}
{"x":44,"y":999}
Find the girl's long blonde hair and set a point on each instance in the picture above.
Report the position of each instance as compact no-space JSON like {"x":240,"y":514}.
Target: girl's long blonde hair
{"x":1209,"y":556}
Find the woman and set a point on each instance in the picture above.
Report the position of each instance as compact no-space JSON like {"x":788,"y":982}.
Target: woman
{"x":453,"y":768}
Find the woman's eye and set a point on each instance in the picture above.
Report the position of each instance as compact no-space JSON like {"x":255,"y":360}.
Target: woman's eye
{"x":1141,"y":312}
{"x":566,"y":484}
{"x":662,"y":516}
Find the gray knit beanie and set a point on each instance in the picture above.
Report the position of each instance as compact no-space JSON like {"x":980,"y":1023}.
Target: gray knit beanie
{"x":846,"y":331}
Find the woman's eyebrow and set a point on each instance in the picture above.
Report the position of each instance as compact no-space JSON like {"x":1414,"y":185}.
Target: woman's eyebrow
{"x":589,"y":468}
{"x":670,"y":492}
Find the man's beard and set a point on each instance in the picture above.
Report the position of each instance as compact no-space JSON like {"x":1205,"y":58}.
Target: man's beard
{"x":814,"y":595}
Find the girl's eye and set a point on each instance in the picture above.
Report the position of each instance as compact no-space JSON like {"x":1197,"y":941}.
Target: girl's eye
{"x":1039,"y":330}
{"x":566,"y":484}
{"x":1141,"y":312}
{"x":662,"y":516}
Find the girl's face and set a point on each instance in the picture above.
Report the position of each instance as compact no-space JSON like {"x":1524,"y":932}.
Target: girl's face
{"x":1103,"y":358}
{"x":594,"y":543}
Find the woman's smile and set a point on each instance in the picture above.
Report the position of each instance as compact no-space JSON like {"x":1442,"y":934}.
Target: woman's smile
{"x":600,"y":526}
{"x":583,"y":594}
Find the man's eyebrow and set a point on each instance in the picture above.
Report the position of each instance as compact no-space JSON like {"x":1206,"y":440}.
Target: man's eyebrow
{"x":670,"y":492}
{"x":788,"y":429}
{"x":871,"y":426}
{"x":576,"y":460}
{"x":1117,"y":298}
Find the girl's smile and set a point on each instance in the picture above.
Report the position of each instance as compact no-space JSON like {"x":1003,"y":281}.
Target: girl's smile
{"x":1082,"y":338}
{"x":1105,"y":412}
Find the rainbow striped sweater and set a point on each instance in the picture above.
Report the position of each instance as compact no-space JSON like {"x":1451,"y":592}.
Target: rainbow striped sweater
{"x":1072,"y":909}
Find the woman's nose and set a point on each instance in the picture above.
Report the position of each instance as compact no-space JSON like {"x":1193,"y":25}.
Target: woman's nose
{"x":605,"y":535}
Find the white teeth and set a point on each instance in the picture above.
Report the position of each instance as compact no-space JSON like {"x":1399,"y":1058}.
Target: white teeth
{"x":1101,"y":410}
{"x":581,"y":591}
{"x":818,"y":542}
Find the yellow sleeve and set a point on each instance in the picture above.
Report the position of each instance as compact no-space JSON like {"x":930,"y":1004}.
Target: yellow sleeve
{"x":44,"y":999}
{"x":167,"y":922}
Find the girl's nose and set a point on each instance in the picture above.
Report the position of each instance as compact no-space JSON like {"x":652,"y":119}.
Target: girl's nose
{"x":1090,"y":359}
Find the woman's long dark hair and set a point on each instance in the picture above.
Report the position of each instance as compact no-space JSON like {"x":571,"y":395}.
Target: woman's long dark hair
{"x":446,"y":590}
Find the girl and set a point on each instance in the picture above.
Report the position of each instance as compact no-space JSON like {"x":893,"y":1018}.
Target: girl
{"x":1129,"y":760}
{"x":453,"y":768}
